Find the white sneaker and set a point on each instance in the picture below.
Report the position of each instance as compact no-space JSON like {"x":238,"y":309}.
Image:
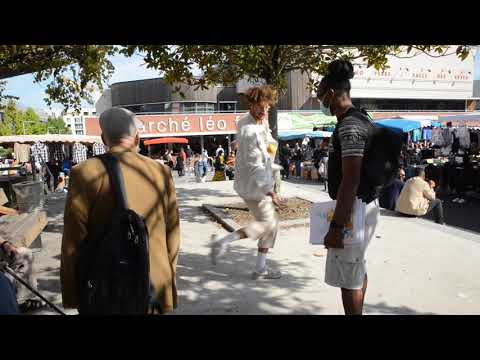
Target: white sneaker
{"x":267,"y":273}
{"x":461,"y":201}
{"x":455,"y":200}
{"x":217,"y":248}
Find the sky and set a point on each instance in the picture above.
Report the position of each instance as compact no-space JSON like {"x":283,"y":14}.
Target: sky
{"x":126,"y":69}
{"x":31,"y":94}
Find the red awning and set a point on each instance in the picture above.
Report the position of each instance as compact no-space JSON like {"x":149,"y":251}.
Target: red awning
{"x":166,"y":141}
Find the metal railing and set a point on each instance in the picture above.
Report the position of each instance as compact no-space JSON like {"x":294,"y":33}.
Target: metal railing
{"x":303,"y":111}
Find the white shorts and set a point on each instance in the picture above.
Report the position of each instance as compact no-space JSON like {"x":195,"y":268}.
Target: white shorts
{"x":346,"y":268}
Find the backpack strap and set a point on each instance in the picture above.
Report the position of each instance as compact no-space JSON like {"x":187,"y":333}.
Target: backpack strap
{"x":116,"y":179}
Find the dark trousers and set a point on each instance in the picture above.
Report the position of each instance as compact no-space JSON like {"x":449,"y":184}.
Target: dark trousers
{"x":298,"y":168}
{"x":437,"y":208}
{"x":8,"y":300}
{"x":286,"y":169}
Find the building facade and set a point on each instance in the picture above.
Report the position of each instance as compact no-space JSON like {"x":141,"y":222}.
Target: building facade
{"x":417,"y":88}
{"x":416,"y":84}
{"x":75,"y":121}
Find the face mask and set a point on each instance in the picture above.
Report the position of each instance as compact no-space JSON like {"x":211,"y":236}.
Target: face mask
{"x":325,"y":110}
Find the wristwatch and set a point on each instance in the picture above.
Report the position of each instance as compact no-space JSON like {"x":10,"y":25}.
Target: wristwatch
{"x":334,"y":225}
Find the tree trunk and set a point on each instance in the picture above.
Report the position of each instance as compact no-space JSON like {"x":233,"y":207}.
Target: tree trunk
{"x":273,"y":121}
{"x":273,"y":124}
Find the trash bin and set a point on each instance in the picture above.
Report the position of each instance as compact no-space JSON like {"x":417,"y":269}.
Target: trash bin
{"x":29,"y":195}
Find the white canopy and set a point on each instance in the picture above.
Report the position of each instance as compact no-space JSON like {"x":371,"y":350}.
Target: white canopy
{"x":57,"y":138}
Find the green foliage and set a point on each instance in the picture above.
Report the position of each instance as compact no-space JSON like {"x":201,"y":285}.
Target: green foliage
{"x":4,"y":153}
{"x":75,"y":71}
{"x":18,"y":122}
{"x":226,"y":64}
{"x":56,"y":125}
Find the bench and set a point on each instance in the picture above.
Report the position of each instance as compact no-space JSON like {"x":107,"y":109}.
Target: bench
{"x":24,"y":229}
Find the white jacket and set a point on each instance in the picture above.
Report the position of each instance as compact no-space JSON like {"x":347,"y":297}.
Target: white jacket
{"x":253,"y":165}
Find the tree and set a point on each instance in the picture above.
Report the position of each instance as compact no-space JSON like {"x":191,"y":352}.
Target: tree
{"x":12,"y":120}
{"x":18,"y":122}
{"x":56,"y":125}
{"x":31,"y":123}
{"x":267,"y":63}
{"x":74,"y":71}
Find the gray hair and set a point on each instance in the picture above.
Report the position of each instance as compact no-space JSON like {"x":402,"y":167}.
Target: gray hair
{"x":117,"y":123}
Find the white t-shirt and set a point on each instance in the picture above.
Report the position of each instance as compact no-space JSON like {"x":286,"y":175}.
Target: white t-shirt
{"x":204,"y":156}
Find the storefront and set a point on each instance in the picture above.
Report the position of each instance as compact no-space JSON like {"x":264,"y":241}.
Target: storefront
{"x":202,"y":130}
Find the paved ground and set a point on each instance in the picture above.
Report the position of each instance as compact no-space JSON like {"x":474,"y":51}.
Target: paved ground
{"x":415,"y":266}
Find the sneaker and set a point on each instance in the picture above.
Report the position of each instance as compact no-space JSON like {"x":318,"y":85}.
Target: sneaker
{"x":461,"y":201}
{"x":267,"y":273}
{"x":455,"y":200}
{"x":217,"y":249}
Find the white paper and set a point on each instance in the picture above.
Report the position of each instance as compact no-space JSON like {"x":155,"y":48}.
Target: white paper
{"x":321,"y":214}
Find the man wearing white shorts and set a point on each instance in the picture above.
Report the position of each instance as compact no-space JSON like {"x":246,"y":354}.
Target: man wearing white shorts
{"x":346,"y":266}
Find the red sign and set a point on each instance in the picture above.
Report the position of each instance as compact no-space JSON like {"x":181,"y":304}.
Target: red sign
{"x":178,"y":124}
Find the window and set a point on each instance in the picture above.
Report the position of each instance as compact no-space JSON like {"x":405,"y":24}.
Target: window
{"x":188,"y":107}
{"x":94,"y":113}
{"x":175,"y":106}
{"x":204,"y":107}
{"x":227,"y":106}
{"x":78,"y":127}
{"x":79,"y":132}
{"x":201,"y":107}
{"x":154,"y":108}
{"x":85,"y":113}
{"x":78,"y":120}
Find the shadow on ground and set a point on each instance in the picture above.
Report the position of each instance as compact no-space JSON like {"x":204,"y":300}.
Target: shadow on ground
{"x":192,"y":212}
{"x":464,"y":216}
{"x":384,"y":309}
{"x":228,"y":289}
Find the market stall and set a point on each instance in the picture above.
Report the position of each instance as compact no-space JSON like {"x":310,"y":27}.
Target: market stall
{"x":451,"y":158}
{"x":46,"y":156}
{"x":302,"y":134}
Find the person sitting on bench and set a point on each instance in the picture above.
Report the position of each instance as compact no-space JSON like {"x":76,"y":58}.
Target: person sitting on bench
{"x":20,"y":259}
{"x":389,"y":194}
{"x":418,"y":198}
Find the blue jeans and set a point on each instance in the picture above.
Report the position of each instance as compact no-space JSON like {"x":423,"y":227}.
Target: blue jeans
{"x":203,"y":167}
{"x":298,"y":168}
{"x":8,"y":300}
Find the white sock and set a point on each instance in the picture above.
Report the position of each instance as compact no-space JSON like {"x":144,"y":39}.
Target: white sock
{"x":261,"y":262}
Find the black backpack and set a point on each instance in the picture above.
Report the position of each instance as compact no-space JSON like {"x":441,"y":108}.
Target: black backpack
{"x":113,"y":270}
{"x":381,"y":160}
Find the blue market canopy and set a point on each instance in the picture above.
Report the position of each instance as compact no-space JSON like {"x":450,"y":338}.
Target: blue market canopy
{"x":300,"y":134}
{"x":399,"y":125}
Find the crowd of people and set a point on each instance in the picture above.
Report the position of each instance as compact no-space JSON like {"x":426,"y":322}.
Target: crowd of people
{"x":292,"y":159}
{"x":93,"y":200}
{"x":186,"y":162}
{"x":421,"y":178}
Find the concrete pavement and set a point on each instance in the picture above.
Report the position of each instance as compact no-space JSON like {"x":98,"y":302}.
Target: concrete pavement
{"x":415,"y":266}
